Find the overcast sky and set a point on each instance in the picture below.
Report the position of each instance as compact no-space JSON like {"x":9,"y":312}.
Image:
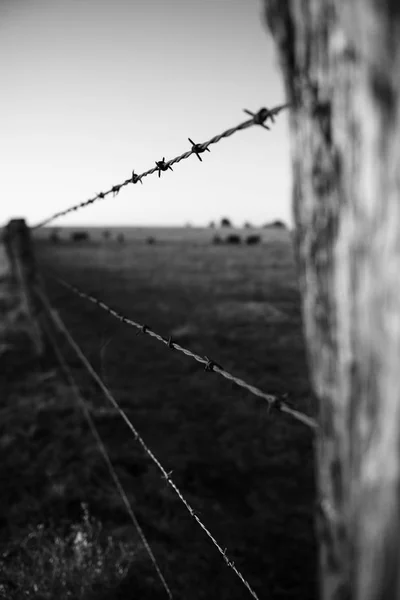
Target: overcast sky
{"x":91,"y":89}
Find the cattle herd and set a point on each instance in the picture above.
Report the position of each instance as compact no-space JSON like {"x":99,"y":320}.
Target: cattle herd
{"x":234,"y":239}
{"x":230,"y":239}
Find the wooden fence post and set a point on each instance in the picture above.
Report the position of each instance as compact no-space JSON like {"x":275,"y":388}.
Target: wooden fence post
{"x":341,"y":64}
{"x":22,"y":267}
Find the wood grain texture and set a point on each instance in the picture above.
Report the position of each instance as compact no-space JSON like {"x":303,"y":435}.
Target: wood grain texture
{"x":341,"y":65}
{"x":20,"y":255}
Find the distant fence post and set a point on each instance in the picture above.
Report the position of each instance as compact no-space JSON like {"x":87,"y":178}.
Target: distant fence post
{"x":20,"y":255}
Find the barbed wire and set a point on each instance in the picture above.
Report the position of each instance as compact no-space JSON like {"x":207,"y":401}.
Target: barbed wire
{"x":258,"y":118}
{"x":274,"y":401}
{"x":103,"y":450}
{"x":167,"y":476}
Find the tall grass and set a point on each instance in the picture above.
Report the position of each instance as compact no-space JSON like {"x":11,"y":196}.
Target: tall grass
{"x":47,"y":563}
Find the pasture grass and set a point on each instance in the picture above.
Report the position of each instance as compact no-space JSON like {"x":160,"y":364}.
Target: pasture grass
{"x":248,"y":471}
{"x":79,"y":562}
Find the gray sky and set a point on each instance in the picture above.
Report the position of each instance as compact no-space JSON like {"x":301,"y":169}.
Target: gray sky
{"x":91,"y":89}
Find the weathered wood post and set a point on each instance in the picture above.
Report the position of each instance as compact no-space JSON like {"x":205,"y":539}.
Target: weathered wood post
{"x":341,"y":67}
{"x":19,"y":251}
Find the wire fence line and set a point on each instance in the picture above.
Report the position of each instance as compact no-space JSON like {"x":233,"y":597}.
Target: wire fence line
{"x":276,"y":402}
{"x":103,"y":450}
{"x":258,"y":118}
{"x":60,"y":326}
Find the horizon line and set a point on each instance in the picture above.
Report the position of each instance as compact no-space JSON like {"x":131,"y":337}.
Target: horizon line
{"x":217,"y":225}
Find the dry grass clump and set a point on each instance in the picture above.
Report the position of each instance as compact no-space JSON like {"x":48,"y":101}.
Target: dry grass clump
{"x":47,"y":564}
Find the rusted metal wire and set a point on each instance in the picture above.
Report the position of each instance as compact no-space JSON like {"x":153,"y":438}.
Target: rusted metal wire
{"x":274,"y":401}
{"x":103,"y":450}
{"x":166,"y":475}
{"x":258,"y":118}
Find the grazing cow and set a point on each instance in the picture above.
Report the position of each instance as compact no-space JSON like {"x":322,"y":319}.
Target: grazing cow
{"x":80,"y":236}
{"x":253,"y":239}
{"x":151,"y":240}
{"x":233,"y":239}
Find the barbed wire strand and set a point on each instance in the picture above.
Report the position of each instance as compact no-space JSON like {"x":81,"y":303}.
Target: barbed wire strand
{"x":167,"y":476}
{"x":273,"y":401}
{"x":75,"y":389}
{"x":258,"y":118}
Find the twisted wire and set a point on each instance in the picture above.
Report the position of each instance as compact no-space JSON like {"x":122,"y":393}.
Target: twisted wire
{"x":257,"y":119}
{"x":274,"y":401}
{"x":167,"y":476}
{"x":75,"y":389}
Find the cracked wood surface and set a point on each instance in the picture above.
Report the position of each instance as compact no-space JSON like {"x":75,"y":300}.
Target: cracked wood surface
{"x":341,"y":65}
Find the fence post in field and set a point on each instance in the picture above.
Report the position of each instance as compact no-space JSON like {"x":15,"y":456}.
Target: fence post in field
{"x":23,"y":275}
{"x":341,"y":66}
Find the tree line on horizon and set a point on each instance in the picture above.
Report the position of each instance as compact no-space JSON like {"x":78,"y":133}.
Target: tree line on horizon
{"x":225,"y":222}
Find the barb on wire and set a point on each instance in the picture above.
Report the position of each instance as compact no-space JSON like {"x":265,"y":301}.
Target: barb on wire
{"x":258,"y":118}
{"x":62,"y":328}
{"x":197,"y":149}
{"x":136,"y":178}
{"x":163,"y":166}
{"x":209,"y":365}
{"x":75,"y":389}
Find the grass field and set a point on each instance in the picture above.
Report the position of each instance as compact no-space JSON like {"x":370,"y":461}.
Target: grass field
{"x":248,"y":471}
